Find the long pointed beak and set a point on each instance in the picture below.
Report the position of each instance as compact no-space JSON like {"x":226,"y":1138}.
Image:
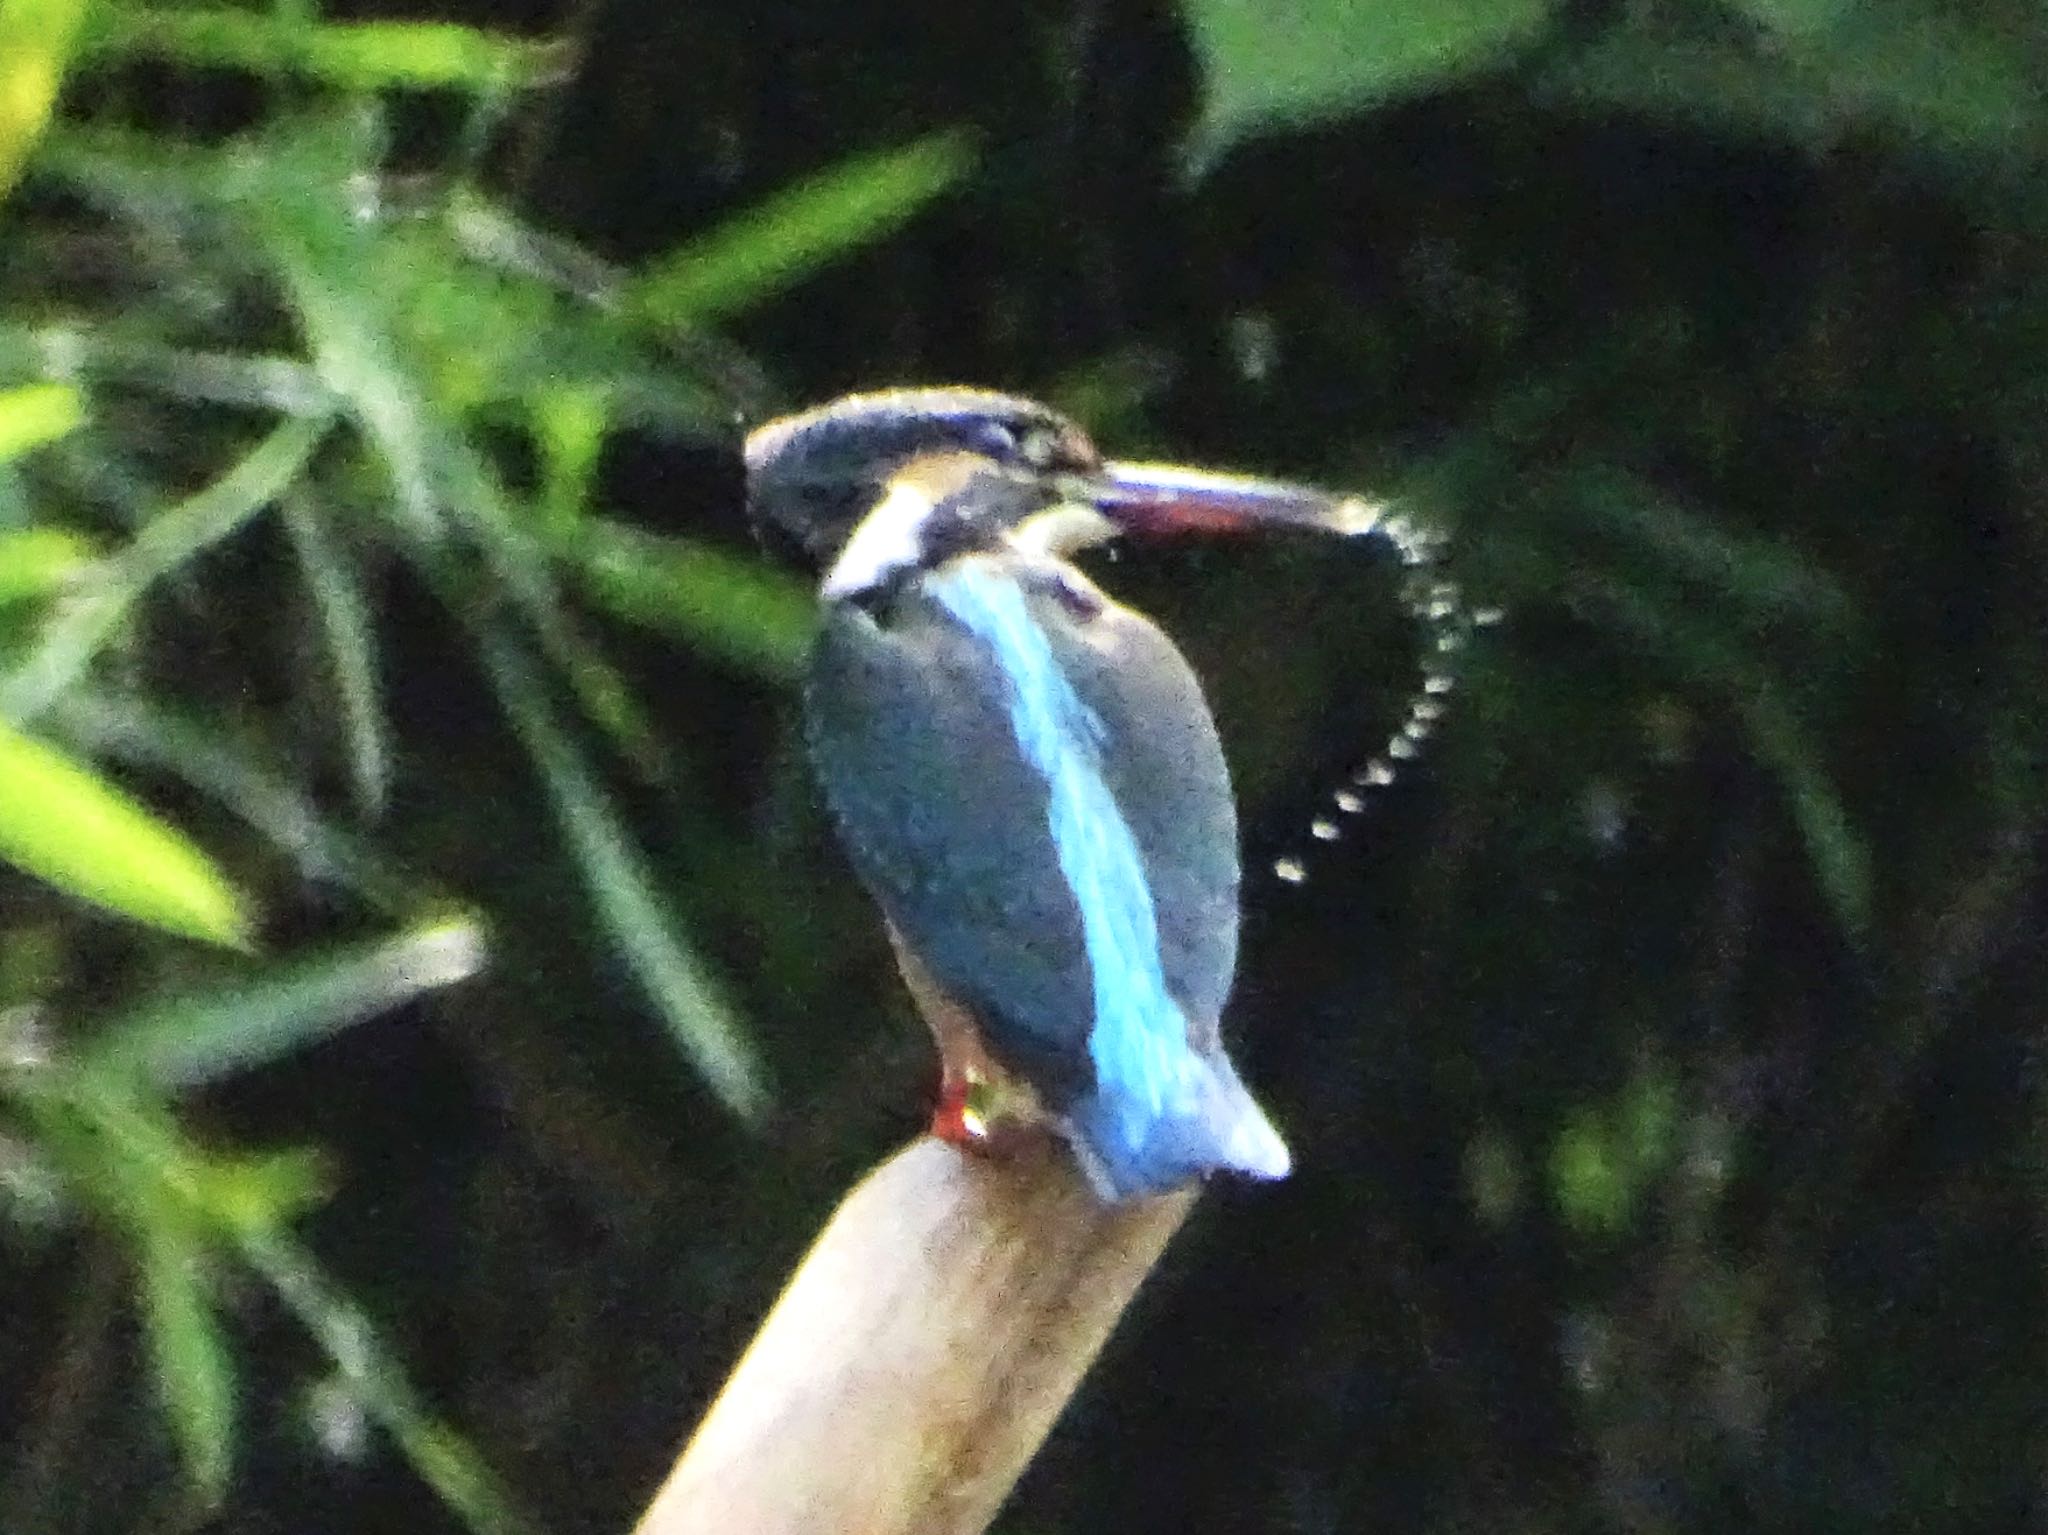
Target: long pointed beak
{"x":1167,"y":500}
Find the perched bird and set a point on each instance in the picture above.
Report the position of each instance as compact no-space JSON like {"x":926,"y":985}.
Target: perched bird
{"x":1024,"y":772}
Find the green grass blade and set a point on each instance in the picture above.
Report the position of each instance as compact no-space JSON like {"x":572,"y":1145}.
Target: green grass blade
{"x":356,"y":359}
{"x":76,"y":633}
{"x":730,"y":607}
{"x":188,"y":1353}
{"x":38,"y":562}
{"x":103,"y":353}
{"x":443,"y":1459}
{"x":1951,"y":83}
{"x":122,"y":1158}
{"x":350,"y":55}
{"x":188,"y":1041}
{"x":1839,"y":855}
{"x":63,"y":823}
{"x":682,"y":989}
{"x":352,"y":652}
{"x":765,"y":251}
{"x":129,"y":1161}
{"x":36,"y":42}
{"x":35,"y":414}
{"x":125,"y":728}
{"x":1763,"y":577}
{"x":1269,"y":69}
{"x":520,"y":562}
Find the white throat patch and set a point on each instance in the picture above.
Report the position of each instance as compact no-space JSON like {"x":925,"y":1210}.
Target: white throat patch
{"x":889,"y":539}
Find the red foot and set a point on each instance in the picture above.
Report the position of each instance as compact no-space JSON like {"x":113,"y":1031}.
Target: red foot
{"x":954,"y":1120}
{"x":988,"y":1117}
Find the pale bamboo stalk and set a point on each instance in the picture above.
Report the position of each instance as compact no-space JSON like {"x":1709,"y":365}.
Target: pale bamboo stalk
{"x":921,"y":1352}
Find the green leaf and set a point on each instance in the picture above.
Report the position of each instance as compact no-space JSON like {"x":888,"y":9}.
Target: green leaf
{"x":1648,"y":1122}
{"x":1493,"y":1177}
{"x":264,"y":1192}
{"x":1840,"y":857}
{"x":107,"y":352}
{"x":35,"y":414}
{"x":65,"y":824}
{"x":734,"y":608}
{"x":183,"y":1208}
{"x":189,"y":1356}
{"x":518,"y":559}
{"x":342,"y":318}
{"x":130,"y":729}
{"x":78,"y":630}
{"x":1593,"y":1187}
{"x":1270,"y":68}
{"x":187,"y":1041}
{"x":375,"y":1377}
{"x":36,"y":40}
{"x":569,"y":427}
{"x":1769,"y":578}
{"x":770,"y":249}
{"x":1940,"y":81}
{"x":1780,"y":739}
{"x":352,"y":651}
{"x":681,"y":987}
{"x":37,"y":562}
{"x":354,"y":55}
{"x":1795,"y":18}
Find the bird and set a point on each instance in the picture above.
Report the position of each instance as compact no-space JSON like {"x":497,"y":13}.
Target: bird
{"x":1024,"y":772}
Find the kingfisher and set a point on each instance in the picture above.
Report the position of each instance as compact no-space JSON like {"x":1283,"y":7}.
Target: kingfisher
{"x":1024,"y":772}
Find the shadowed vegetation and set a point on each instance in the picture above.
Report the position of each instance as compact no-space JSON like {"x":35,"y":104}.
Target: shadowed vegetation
{"x":432,"y":1013}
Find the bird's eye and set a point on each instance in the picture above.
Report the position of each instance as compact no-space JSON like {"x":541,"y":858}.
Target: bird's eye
{"x":1037,"y":447}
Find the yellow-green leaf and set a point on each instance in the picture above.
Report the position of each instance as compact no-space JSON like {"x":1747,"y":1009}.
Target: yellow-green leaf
{"x":188,"y":1039}
{"x":767,"y":250}
{"x":35,"y":413}
{"x":36,"y":39}
{"x":38,"y":561}
{"x":354,"y":55}
{"x":732,"y":607}
{"x":188,"y":1355}
{"x":1270,"y":68}
{"x":62,"y":822}
{"x":1594,"y":1188}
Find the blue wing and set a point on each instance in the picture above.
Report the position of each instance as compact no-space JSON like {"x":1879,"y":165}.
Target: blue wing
{"x":1028,"y":780}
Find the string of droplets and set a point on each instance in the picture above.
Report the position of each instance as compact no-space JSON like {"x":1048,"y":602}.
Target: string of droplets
{"x":1439,"y":607}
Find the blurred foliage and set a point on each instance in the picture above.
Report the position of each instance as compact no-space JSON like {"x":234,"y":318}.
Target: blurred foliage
{"x":431,"y":1015}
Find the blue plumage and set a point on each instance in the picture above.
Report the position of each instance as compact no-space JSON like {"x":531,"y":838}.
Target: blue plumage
{"x":1024,"y":773}
{"x":984,"y":740}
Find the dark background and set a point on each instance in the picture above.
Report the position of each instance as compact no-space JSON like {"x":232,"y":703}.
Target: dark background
{"x":1661,"y":1055}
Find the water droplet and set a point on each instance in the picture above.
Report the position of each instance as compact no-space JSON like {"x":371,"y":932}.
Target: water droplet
{"x":1350,"y":801}
{"x":1290,"y":869}
{"x":1426,"y":710}
{"x":1487,"y":617}
{"x":1377,"y":774}
{"x":1437,"y":683}
{"x":1323,"y":830}
{"x":1401,"y":749}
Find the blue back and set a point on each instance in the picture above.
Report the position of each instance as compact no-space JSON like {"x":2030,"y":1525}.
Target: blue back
{"x":1027,"y":778}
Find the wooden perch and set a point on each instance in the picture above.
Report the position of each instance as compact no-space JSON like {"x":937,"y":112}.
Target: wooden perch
{"x":921,"y":1352}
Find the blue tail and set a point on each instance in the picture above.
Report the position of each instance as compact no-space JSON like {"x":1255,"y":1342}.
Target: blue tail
{"x":1130,"y":1149}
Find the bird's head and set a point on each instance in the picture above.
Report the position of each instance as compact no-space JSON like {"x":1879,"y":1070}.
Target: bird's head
{"x":815,"y":478}
{"x":875,"y":484}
